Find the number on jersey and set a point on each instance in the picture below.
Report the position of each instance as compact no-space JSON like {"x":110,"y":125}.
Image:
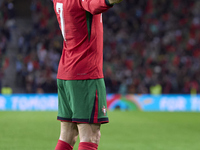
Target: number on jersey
{"x":59,"y":10}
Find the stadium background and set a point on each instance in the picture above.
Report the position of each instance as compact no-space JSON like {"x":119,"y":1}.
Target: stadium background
{"x":151,"y":48}
{"x":146,"y":43}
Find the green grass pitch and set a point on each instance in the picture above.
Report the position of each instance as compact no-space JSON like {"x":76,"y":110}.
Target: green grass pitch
{"x":128,"y":130}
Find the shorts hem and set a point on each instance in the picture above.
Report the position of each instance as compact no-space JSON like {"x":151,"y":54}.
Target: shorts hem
{"x":75,"y":120}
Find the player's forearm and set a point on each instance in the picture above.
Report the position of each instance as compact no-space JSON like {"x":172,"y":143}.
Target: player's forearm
{"x":114,"y":1}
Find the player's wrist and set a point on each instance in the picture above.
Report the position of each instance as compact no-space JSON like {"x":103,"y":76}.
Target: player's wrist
{"x":112,"y":2}
{"x":108,"y":3}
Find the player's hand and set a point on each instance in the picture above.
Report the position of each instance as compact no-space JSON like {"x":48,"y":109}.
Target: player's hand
{"x":114,"y":1}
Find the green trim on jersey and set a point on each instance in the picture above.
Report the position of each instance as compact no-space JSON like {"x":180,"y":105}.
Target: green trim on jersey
{"x":89,"y":17}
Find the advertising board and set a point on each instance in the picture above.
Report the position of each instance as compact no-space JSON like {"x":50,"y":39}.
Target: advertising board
{"x":48,"y":102}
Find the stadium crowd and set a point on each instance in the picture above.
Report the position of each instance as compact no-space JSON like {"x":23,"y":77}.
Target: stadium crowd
{"x":146,"y":43}
{"x":154,"y":42}
{"x":6,"y":23}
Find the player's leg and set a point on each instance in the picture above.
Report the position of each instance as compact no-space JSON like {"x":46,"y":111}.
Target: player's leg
{"x":68,"y":136}
{"x":84,"y":102}
{"x":89,"y":135}
{"x":69,"y":130}
{"x":92,"y":113}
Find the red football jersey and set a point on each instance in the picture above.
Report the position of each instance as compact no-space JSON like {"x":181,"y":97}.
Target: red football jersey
{"x":81,"y":24}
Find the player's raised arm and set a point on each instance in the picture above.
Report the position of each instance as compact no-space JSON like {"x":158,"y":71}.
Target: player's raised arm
{"x":97,"y":6}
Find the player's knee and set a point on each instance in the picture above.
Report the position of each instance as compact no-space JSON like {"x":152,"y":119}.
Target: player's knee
{"x":74,"y":136}
{"x":74,"y":139}
{"x":69,"y":133}
{"x":92,"y":137}
{"x":96,"y":137}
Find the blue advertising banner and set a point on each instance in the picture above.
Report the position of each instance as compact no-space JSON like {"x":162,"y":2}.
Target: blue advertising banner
{"x":154,"y":102}
{"x":48,"y":102}
{"x":29,"y":102}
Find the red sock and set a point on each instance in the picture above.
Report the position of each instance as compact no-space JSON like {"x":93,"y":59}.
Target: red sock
{"x":87,"y":146}
{"x":61,"y":145}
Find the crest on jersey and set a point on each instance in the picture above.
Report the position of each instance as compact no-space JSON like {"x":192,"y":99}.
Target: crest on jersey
{"x":104,"y":110}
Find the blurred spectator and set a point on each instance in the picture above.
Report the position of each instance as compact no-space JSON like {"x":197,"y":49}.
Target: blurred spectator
{"x":6,"y":90}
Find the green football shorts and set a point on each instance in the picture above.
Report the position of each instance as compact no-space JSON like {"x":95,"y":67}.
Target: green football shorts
{"x":82,"y":101}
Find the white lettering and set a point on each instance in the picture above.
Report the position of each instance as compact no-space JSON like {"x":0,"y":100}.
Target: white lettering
{"x":173,"y":104}
{"x":35,"y":103}
{"x":2,"y":103}
{"x":195,"y":104}
{"x":23,"y":104}
{"x":14,"y":102}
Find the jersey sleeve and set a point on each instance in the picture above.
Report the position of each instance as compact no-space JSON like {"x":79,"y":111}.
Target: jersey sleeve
{"x":95,"y":6}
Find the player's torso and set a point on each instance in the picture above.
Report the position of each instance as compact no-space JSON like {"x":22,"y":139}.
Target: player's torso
{"x":82,"y":54}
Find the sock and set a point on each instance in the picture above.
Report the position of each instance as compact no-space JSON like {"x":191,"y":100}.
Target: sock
{"x":87,"y":146}
{"x":61,"y":145}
